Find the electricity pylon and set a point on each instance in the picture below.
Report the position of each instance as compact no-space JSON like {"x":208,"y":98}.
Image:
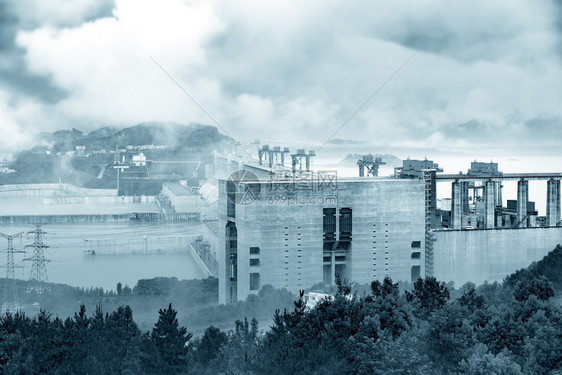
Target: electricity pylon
{"x":38,"y":280}
{"x":10,"y":301}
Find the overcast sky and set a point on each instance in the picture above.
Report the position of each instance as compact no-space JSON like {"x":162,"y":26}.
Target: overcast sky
{"x":482,"y":72}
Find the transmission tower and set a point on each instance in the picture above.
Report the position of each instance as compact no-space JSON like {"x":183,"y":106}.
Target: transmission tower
{"x":10,"y":301}
{"x":38,"y":280}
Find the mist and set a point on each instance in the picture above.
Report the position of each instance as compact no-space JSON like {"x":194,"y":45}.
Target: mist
{"x":142,"y":233}
{"x":288,"y":71}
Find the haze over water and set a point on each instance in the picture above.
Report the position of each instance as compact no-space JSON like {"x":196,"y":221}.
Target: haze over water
{"x":69,"y":264}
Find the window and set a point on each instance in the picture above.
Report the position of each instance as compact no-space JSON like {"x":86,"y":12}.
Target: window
{"x":345,"y":220}
{"x":329,"y":220}
{"x":416,"y":255}
{"x":254,"y":262}
{"x":416,"y":244}
{"x":255,"y":281}
{"x":254,"y":250}
{"x":329,"y":228}
{"x":415,"y":273}
{"x":231,"y":192}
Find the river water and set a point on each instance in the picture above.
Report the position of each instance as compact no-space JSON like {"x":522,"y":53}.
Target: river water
{"x":126,"y":252}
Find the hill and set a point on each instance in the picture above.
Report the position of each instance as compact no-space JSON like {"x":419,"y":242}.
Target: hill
{"x":175,"y":136}
{"x":53,"y":155}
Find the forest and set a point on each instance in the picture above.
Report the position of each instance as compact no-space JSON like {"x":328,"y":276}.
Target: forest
{"x":514,"y":327}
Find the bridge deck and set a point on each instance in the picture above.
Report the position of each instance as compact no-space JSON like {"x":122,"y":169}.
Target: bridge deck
{"x":503,"y":177}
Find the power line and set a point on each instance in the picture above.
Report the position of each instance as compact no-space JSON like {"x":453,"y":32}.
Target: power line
{"x":366,"y":101}
{"x":197,"y":104}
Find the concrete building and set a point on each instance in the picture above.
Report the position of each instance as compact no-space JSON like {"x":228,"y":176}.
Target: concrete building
{"x":294,"y":235}
{"x":414,"y":168}
{"x":295,"y":230}
{"x":479,"y":239}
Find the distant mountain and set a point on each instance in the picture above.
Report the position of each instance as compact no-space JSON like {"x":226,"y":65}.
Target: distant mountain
{"x":175,"y":136}
{"x":38,"y":165}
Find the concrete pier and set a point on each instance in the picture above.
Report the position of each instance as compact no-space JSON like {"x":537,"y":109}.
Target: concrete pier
{"x":464,"y":196}
{"x":499,"y":197}
{"x":456,"y":205}
{"x":552,"y":202}
{"x":522,"y":200}
{"x":490,"y":203}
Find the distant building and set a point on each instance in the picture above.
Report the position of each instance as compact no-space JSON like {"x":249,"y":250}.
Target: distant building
{"x":414,"y":168}
{"x":483,"y":169}
{"x":138,"y":160}
{"x":80,"y":151}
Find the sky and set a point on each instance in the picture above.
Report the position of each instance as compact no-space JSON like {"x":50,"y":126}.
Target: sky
{"x":465,"y":75}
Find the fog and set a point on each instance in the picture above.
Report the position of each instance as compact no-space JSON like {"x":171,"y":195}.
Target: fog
{"x":482,"y":75}
{"x":114,"y":112}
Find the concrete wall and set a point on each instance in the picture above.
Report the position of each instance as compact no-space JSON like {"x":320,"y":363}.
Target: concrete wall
{"x":65,"y":219}
{"x":97,"y":199}
{"x":388,"y":215}
{"x":478,"y":255}
{"x":45,"y":190}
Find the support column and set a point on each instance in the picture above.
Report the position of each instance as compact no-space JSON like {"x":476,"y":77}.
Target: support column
{"x":464,"y":196}
{"x":552,"y":202}
{"x":456,"y":205}
{"x":499,"y":197}
{"x":490,"y":203}
{"x":522,"y":199}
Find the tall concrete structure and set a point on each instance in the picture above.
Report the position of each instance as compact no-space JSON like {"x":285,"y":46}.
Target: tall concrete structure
{"x":299,"y":156}
{"x":522,"y":200}
{"x":476,"y":256}
{"x":273,"y":155}
{"x":552,"y":202}
{"x":464,"y":196}
{"x":490,"y":204}
{"x":299,"y":233}
{"x":294,"y":230}
{"x":456,"y":204}
{"x":370,"y":163}
{"x":504,"y":239}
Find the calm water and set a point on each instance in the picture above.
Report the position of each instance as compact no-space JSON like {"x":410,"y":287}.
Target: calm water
{"x":139,"y":242}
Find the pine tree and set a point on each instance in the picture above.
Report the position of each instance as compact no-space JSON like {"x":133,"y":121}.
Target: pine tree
{"x":170,"y":341}
{"x":210,"y":344}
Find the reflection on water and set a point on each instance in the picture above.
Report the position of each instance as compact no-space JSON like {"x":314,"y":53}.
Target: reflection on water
{"x":139,"y":241}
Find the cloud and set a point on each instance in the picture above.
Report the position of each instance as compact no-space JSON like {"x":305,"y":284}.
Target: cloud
{"x":483,"y":72}
{"x":13,"y":73}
